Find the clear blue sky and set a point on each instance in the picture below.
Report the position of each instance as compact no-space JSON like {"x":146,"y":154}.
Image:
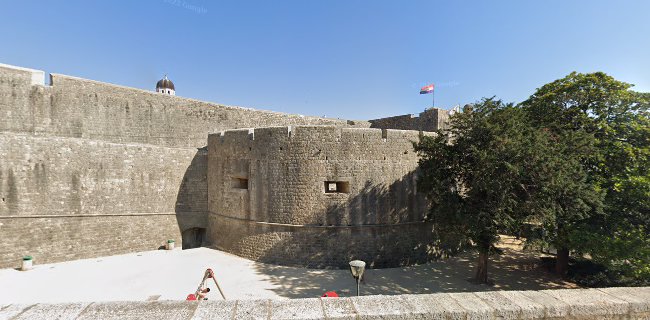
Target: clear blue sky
{"x":339,"y":58}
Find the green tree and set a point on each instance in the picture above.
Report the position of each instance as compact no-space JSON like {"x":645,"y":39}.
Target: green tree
{"x":564,"y":198}
{"x":477,"y":176}
{"x":617,"y":166}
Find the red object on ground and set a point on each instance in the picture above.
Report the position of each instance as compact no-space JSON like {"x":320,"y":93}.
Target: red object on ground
{"x":330,"y":294}
{"x":190,"y":296}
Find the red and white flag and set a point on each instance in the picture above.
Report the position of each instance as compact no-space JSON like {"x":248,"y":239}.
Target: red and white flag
{"x":427,"y":89}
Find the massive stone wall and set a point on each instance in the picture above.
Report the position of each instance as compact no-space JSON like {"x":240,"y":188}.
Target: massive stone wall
{"x":54,"y":176}
{"x":64,"y":198}
{"x":607,"y":303}
{"x":269,"y":196}
{"x":69,"y":237}
{"x":430,"y":120}
{"x":85,"y":164}
{"x":80,"y":108}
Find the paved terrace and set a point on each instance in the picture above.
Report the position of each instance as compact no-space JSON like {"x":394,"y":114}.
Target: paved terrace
{"x":153,"y":285}
{"x":171,"y":275}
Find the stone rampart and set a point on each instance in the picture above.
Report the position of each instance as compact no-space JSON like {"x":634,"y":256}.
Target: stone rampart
{"x":81,"y":108}
{"x":80,"y":159}
{"x":430,"y":120}
{"x":608,"y":303}
{"x":317,"y":196}
{"x":69,"y":198}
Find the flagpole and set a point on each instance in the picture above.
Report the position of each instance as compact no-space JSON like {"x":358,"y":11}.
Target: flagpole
{"x":433,"y":98}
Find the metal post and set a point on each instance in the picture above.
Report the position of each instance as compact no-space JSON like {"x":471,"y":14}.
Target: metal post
{"x":358,"y":286}
{"x":356,"y":268}
{"x":433,"y":98}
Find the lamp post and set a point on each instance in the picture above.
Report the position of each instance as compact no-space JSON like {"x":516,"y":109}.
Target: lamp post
{"x":357,"y":267}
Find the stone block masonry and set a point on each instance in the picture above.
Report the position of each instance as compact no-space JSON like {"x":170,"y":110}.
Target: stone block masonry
{"x":70,"y":176}
{"x":90,"y":169}
{"x":323,"y":247}
{"x":317,"y":196}
{"x":68,"y":198}
{"x":608,"y":303}
{"x":68,"y":237}
{"x":80,"y":108}
{"x":430,"y":120}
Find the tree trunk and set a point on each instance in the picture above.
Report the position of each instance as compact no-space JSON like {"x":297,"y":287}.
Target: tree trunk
{"x":481,"y":272}
{"x":562,"y":262}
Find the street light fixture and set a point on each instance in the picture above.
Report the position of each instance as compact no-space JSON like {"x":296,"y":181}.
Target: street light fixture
{"x":357,"y":267}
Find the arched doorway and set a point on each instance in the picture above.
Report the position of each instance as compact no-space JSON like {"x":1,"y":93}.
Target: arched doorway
{"x":193,"y":238}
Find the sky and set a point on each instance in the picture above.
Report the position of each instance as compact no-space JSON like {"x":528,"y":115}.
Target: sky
{"x":346,"y":59}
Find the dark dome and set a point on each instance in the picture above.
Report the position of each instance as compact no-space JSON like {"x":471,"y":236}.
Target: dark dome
{"x":165,"y":84}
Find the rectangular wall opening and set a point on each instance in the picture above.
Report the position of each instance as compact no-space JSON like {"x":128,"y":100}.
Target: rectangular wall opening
{"x":337,"y":187}
{"x":239,"y":183}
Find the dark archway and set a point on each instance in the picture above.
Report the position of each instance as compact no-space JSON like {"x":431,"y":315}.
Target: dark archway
{"x":193,"y":238}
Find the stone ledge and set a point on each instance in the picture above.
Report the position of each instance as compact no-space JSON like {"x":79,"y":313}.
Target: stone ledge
{"x":608,"y":303}
{"x":314,"y":226}
{"x":36,"y":77}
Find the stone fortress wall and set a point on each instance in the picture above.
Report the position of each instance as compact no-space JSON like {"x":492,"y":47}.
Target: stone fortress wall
{"x":430,"y":120}
{"x":90,"y":169}
{"x":318,"y":196}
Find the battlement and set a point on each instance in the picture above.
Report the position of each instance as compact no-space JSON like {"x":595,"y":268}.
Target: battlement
{"x":431,"y":119}
{"x":264,"y":136}
{"x":318,"y":143}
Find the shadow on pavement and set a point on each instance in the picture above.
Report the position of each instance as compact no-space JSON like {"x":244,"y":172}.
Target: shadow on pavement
{"x":514,"y":270}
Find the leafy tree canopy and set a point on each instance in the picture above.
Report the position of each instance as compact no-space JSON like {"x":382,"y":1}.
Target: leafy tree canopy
{"x":479,"y":175}
{"x":618,"y":166}
{"x":572,"y":159}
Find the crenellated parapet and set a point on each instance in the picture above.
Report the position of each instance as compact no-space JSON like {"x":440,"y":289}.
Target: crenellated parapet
{"x":431,"y":119}
{"x":321,"y":143}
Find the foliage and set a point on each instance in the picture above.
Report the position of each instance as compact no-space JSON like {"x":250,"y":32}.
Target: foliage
{"x":625,"y":252}
{"x":573,"y":159}
{"x":617,"y":167}
{"x":477,"y":175}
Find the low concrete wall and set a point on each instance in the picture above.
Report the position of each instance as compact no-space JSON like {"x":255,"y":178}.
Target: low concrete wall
{"x":609,"y":303}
